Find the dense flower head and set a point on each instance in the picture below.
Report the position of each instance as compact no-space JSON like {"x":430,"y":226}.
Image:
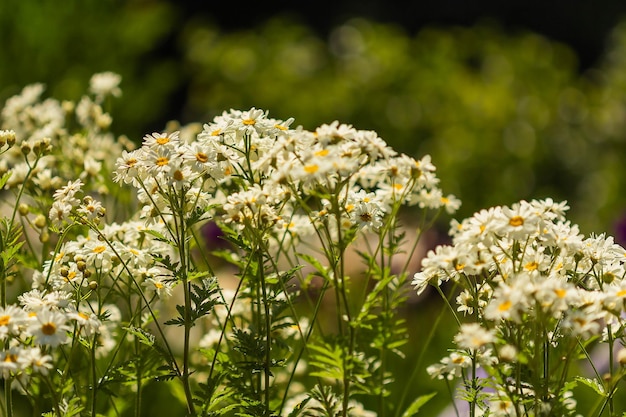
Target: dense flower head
{"x":252,"y":166}
{"x":525,"y":270}
{"x":59,"y":141}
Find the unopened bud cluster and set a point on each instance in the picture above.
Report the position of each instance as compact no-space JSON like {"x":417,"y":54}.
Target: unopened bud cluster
{"x":7,"y":137}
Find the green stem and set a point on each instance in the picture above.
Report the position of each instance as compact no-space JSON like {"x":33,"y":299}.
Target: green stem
{"x":418,"y":363}
{"x":268,"y":334}
{"x":183,"y":253}
{"x":139,"y":363}
{"x":94,"y":377}
{"x":55,"y":399}
{"x":8,"y":397}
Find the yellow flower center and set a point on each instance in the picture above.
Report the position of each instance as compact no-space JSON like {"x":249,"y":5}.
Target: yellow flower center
{"x":311,"y":169}
{"x":163,"y":140}
{"x":162,"y":161}
{"x":49,"y":329}
{"x":131,"y":162}
{"x":249,"y":122}
{"x":99,"y":249}
{"x":4,"y":320}
{"x":178,"y":175}
{"x":505,"y":306}
{"x":280,"y":127}
{"x":322,"y":152}
{"x":516,"y":221}
{"x":202,"y":157}
{"x":531,"y":266}
{"x":621,"y":293}
{"x":560,"y":292}
{"x":365,"y":217}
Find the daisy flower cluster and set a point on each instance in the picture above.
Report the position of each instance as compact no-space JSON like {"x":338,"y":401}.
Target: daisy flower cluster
{"x":75,"y":135}
{"x":97,"y":285}
{"x":105,"y":255}
{"x":533,"y":293}
{"x":302,"y":177}
{"x":257,"y":172}
{"x":42,"y":322}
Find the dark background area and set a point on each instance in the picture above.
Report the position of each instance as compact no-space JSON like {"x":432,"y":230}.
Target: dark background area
{"x":184,"y":60}
{"x":583,"y":25}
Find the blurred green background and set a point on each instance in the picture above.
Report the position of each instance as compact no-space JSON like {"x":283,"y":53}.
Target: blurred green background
{"x":507,"y":112}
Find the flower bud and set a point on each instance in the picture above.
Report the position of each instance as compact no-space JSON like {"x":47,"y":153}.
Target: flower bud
{"x":44,"y":237}
{"x":621,"y":356}
{"x":67,"y":106}
{"x":46,"y":144}
{"x":11,"y":139}
{"x":37,"y":147}
{"x":23,"y":209}
{"x":7,"y":137}
{"x":104,"y":121}
{"x":81,"y":265}
{"x":93,"y":285}
{"x":40,"y":221}
{"x":508,"y":353}
{"x":608,"y":277}
{"x":25,"y":148}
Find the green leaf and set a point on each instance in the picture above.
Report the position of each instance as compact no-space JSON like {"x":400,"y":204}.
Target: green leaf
{"x":158,"y":236}
{"x":298,"y":408}
{"x":321,"y":269}
{"x":9,"y":253}
{"x":594,"y":384}
{"x":141,"y":335}
{"x":417,"y":404}
{"x":5,"y":178}
{"x":328,"y":360}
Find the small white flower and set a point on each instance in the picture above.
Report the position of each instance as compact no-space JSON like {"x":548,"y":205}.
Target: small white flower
{"x":473,"y":336}
{"x":12,"y":318}
{"x":104,"y":84}
{"x":34,"y":359}
{"x":59,"y":213}
{"x":49,"y":328}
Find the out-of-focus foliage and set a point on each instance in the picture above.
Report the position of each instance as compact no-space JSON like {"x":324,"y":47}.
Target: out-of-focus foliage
{"x":61,"y":44}
{"x":505,"y":116}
